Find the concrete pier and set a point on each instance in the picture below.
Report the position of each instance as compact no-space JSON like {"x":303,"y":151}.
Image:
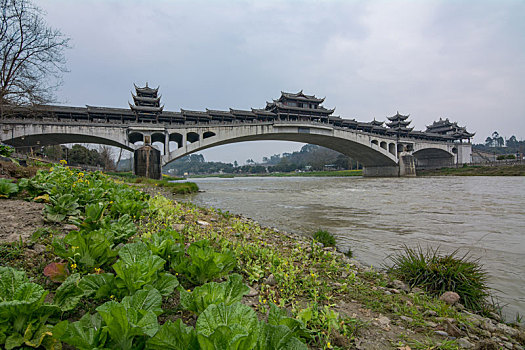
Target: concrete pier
{"x":147,"y":162}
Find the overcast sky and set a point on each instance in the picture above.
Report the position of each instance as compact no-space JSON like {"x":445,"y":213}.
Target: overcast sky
{"x":463,"y":60}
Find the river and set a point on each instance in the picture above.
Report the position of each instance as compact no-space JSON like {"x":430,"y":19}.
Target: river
{"x":374,"y":217}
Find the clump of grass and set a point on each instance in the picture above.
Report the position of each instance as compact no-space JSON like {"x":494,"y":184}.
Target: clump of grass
{"x":325,"y":237}
{"x":438,"y":273}
{"x":349,"y":253}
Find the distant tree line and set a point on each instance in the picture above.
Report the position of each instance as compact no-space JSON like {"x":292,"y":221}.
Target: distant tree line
{"x":497,"y":144}
{"x":310,"y":157}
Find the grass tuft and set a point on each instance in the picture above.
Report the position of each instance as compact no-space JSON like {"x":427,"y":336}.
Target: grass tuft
{"x":325,"y":237}
{"x":438,"y":273}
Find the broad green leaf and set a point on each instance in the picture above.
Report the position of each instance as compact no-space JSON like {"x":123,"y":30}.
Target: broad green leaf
{"x":15,"y":340}
{"x":101,"y":285}
{"x":278,"y":338}
{"x":174,"y":336}
{"x":85,"y":334}
{"x":69,"y":293}
{"x":145,"y":299}
{"x":165,"y":283}
{"x":277,"y":317}
{"x":214,"y":293}
{"x":123,"y":324}
{"x":234,"y":337}
{"x":235,"y":325}
{"x":137,"y":267}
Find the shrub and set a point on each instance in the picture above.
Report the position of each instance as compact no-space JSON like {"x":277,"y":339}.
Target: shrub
{"x":510,"y":156}
{"x":440,"y":273}
{"x":325,"y":238}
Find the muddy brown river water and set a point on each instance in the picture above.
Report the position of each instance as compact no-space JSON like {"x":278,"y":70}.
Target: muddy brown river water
{"x":375,"y":217}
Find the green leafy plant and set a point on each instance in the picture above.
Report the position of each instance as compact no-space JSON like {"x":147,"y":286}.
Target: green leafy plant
{"x":7,"y":188}
{"x":86,"y":250}
{"x":438,"y":273}
{"x":223,"y":326}
{"x":138,"y":266}
{"x":124,"y":325}
{"x":206,"y":264}
{"x":325,"y":237}
{"x":201,"y":297}
{"x":23,"y":313}
{"x":61,"y":207}
{"x":174,"y":336}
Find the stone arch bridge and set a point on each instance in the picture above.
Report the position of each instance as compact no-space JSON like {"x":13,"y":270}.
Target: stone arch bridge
{"x":380,"y":154}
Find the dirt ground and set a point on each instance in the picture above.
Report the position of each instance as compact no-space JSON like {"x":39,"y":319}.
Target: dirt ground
{"x":19,"y":218}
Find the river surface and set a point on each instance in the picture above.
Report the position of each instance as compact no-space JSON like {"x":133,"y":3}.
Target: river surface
{"x":375,"y":217}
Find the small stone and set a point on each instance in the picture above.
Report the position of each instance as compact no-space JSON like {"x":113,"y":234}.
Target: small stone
{"x":203,"y":223}
{"x":464,"y":343}
{"x":431,"y":313}
{"x":432,"y":324}
{"x":459,"y":307}
{"x":178,"y":227}
{"x":495,"y":316}
{"x":511,"y":332}
{"x":70,"y":227}
{"x":271,"y":281}
{"x":417,"y":290}
{"x":508,"y":345}
{"x":397,"y":284}
{"x":395,"y":291}
{"x":442,"y":333}
{"x":39,"y":248}
{"x":384,"y":322}
{"x":387,"y":292}
{"x":329,"y":249}
{"x":453,"y":330}
{"x":450,"y":297}
{"x":252,"y":293}
{"x":407,"y":319}
{"x":488,"y":326}
{"x":337,"y":285}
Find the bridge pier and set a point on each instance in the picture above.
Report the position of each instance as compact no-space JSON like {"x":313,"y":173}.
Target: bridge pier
{"x":405,"y":168}
{"x":147,"y":162}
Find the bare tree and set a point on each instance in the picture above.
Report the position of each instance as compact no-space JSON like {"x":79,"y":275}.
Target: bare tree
{"x":106,"y":154}
{"x":31,"y":53}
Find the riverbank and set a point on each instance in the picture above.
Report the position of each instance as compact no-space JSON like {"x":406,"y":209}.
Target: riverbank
{"x":341,"y":303}
{"x":477,"y":170}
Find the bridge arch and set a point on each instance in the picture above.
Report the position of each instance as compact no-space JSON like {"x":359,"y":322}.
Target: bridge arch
{"x":57,"y":139}
{"x":433,"y":158}
{"x":135,"y":137}
{"x":357,"y":146}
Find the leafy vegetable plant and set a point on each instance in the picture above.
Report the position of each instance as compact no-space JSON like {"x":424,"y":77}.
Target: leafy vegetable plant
{"x":206,"y":264}
{"x":61,"y":207}
{"x":227,"y":292}
{"x":7,"y":188}
{"x":23,"y":313}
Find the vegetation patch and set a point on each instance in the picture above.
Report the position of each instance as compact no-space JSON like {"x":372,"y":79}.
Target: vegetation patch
{"x":437,"y":273}
{"x":325,"y":237}
{"x":473,"y":170}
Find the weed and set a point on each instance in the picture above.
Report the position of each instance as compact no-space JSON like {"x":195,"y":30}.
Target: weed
{"x":440,"y":273}
{"x":325,"y":237}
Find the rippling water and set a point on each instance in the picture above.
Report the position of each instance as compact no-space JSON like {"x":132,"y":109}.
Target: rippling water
{"x":375,"y":217}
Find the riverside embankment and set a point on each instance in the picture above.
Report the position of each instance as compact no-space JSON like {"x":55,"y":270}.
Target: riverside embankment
{"x":333,"y":300}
